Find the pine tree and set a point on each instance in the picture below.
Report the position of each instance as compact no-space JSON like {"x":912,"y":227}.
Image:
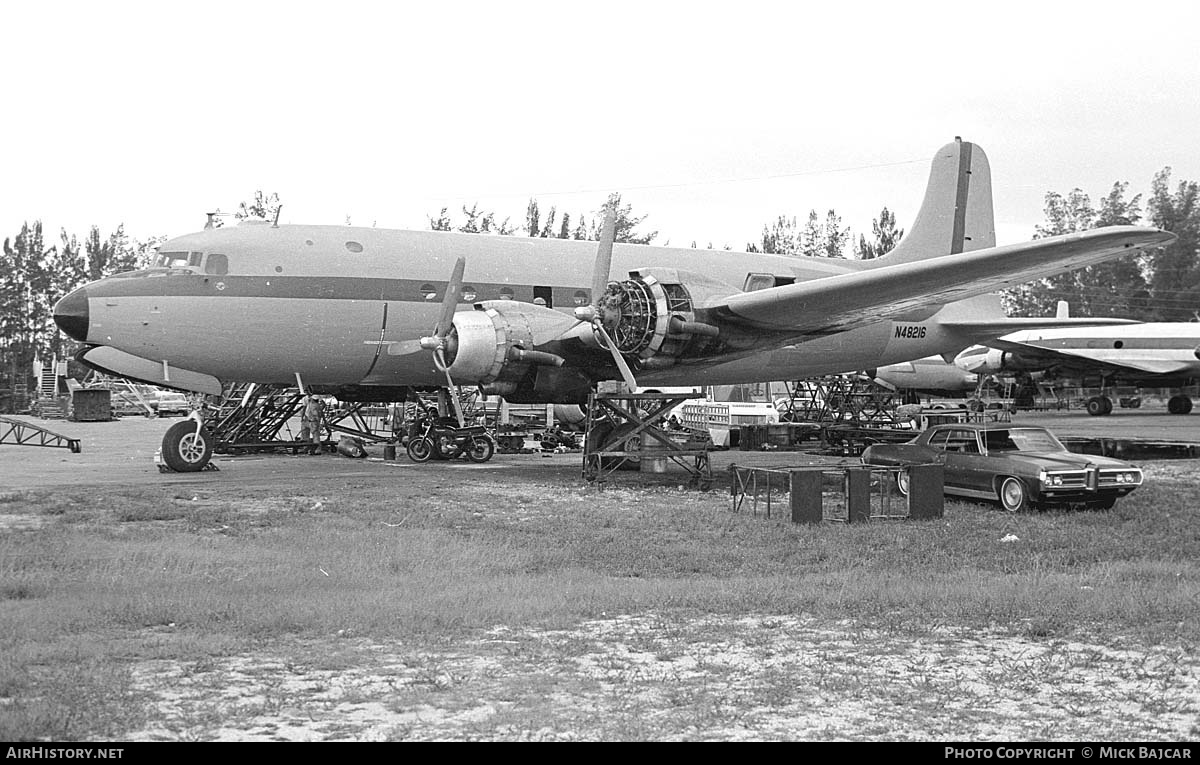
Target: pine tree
{"x":886,"y":237}
{"x":811,"y":237}
{"x":1114,"y":289}
{"x":834,"y":237}
{"x":23,"y":308}
{"x":532,"y":219}
{"x":1175,"y":269}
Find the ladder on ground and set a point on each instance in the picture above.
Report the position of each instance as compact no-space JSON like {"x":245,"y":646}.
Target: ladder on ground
{"x":48,"y":380}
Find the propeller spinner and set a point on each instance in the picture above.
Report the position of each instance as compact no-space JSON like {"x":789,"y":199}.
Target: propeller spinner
{"x":436,"y":343}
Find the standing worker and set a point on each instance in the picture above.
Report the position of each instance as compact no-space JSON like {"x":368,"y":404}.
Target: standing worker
{"x":310,"y":422}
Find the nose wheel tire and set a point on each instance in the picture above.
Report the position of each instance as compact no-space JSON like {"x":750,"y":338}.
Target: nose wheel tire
{"x":186,"y":448}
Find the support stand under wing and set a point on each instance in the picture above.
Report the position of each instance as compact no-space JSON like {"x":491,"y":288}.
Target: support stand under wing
{"x":627,"y":431}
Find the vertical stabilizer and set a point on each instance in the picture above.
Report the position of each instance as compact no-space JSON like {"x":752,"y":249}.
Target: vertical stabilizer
{"x":956,"y":214}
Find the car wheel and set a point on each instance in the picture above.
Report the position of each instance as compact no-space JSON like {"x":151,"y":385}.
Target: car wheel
{"x":902,"y":482}
{"x":186,"y":449}
{"x":1096,"y":407}
{"x":1014,"y":497}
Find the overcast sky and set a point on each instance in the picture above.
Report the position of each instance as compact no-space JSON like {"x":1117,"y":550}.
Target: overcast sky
{"x":711,"y":118}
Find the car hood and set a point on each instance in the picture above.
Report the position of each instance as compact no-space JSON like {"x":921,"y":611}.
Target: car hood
{"x":1065,"y":460}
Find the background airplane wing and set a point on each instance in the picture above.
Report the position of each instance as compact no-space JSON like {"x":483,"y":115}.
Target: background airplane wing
{"x":847,"y":301}
{"x":1154,"y":362}
{"x":983,"y":330}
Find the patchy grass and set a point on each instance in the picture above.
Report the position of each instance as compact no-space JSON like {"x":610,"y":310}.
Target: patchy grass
{"x":110,"y":579}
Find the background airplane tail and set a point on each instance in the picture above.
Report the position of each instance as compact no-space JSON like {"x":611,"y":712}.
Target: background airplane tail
{"x":956,"y":214}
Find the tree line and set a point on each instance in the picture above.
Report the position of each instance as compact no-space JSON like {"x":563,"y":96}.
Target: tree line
{"x":1162,"y":285}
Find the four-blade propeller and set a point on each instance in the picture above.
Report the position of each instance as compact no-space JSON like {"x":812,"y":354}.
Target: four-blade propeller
{"x":593,"y":313}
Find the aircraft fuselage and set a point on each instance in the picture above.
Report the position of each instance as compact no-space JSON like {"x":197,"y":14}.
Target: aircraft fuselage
{"x":262,"y":303}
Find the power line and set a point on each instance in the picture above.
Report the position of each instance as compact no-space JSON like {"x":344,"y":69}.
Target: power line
{"x":687,"y":184}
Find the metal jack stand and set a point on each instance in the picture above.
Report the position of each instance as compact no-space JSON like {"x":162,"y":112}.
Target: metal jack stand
{"x":626,"y":431}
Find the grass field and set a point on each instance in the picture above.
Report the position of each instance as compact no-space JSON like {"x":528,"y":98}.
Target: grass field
{"x":503,"y":609}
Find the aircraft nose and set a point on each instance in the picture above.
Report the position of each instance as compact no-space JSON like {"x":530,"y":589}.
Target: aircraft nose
{"x":71,"y":314}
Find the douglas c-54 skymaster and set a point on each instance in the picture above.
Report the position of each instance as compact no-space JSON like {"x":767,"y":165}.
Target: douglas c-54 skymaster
{"x":355,"y":311}
{"x":1158,"y":354}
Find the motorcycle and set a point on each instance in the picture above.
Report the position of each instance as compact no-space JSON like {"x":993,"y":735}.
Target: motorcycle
{"x":433,"y":438}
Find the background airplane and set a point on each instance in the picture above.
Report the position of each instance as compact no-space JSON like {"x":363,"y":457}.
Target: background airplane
{"x":928,"y":375}
{"x":355,"y":312}
{"x":1162,"y":354}
{"x":938,"y":375}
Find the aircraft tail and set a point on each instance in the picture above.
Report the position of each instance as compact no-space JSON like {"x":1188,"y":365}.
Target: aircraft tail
{"x":956,"y":214}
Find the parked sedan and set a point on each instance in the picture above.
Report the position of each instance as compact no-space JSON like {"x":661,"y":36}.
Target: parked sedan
{"x":1017,"y":466}
{"x":169,"y":402}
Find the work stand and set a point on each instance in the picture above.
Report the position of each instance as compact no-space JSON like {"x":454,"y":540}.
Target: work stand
{"x":629,"y":431}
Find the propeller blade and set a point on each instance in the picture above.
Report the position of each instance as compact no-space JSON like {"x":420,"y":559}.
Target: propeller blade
{"x":626,"y":372}
{"x":451,"y":389}
{"x":603,"y":266}
{"x":450,"y":301}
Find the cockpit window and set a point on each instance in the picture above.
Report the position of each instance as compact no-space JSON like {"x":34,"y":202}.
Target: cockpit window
{"x":172,"y":260}
{"x":194,"y":258}
{"x":216,"y":264}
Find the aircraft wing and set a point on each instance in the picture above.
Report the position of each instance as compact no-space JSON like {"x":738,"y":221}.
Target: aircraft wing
{"x":846,"y":301}
{"x":1153,"y":362}
{"x":983,"y":330}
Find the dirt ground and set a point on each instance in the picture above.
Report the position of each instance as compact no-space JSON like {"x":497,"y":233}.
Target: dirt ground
{"x":648,"y":677}
{"x":641,"y":676}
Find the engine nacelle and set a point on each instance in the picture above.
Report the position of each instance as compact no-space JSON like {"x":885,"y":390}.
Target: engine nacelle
{"x":492,"y":345}
{"x":477,"y":348}
{"x":651,"y":316}
{"x":980,"y":360}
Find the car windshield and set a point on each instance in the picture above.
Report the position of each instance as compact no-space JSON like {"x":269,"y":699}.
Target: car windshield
{"x":1022,"y":440}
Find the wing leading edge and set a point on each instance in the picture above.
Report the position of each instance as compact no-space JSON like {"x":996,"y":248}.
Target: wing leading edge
{"x":847,"y":301}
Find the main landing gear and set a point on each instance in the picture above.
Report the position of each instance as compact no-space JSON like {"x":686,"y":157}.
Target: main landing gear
{"x":1098,"y":406}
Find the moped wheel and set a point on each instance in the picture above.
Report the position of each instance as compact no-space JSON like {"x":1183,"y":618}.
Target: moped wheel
{"x":420,"y":449}
{"x":481,"y":449}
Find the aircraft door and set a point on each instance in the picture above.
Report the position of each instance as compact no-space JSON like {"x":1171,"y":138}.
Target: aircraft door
{"x":543,"y":296}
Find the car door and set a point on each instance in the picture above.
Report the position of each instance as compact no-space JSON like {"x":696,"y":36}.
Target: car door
{"x":975,"y":467}
{"x":944,"y":442}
